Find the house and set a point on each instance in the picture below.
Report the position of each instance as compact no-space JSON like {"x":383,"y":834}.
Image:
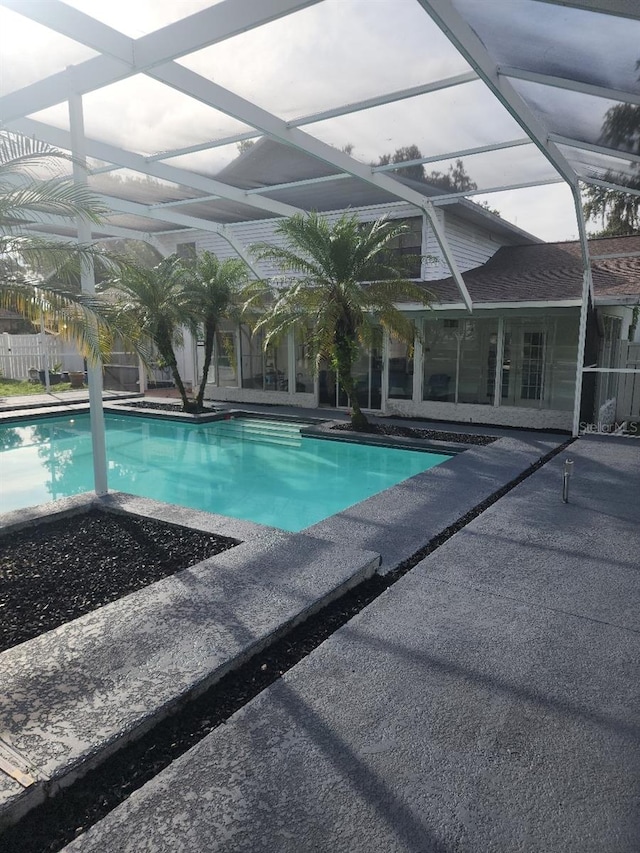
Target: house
{"x":511,"y":361}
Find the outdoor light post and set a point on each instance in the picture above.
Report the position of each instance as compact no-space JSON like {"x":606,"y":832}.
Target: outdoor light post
{"x":566,"y":475}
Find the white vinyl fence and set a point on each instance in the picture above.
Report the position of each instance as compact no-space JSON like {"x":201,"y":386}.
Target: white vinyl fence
{"x":628,"y":397}
{"x":21,"y":353}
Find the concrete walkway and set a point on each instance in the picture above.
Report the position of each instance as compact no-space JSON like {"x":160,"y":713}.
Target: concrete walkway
{"x":489,"y":701}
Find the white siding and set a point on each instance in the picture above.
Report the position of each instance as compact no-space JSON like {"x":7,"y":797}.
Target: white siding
{"x":263,"y":230}
{"x":471,"y":246}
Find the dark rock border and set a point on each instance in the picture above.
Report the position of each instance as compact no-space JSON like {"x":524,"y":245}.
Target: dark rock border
{"x":53,"y":572}
{"x":413,"y":432}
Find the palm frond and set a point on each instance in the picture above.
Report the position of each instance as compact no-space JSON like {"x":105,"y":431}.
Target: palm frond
{"x":35,"y":201}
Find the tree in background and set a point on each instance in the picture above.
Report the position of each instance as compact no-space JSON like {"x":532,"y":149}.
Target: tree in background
{"x":455,"y":179}
{"x":619,"y":212}
{"x":403,"y":155}
{"x":347,"y":284}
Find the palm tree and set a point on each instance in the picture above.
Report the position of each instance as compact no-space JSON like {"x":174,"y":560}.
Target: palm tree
{"x":150,"y":304}
{"x":33,"y":187}
{"x":348,"y":283}
{"x":213,"y":292}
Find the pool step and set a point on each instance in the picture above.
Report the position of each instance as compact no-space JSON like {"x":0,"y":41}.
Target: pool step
{"x":264,"y":431}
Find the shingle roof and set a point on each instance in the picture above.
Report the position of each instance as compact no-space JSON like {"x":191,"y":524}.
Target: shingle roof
{"x":548,"y":272}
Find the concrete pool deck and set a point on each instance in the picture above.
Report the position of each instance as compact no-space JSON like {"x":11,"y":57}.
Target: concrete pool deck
{"x":75,"y":694}
{"x":488,"y":701}
{"x":394,"y":524}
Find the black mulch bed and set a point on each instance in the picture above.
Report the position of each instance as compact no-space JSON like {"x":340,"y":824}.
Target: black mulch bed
{"x":429,"y":434}
{"x":58,"y":821}
{"x":56,"y":571}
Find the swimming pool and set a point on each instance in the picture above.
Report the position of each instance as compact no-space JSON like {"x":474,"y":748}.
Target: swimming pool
{"x":259,"y":470}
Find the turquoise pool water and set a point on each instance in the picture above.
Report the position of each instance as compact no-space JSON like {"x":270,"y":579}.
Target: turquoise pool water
{"x":261,"y":471}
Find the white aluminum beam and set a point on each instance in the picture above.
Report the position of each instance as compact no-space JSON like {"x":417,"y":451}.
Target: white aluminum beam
{"x":204,"y":146}
{"x":619,"y":188}
{"x":121,"y":205}
{"x":88,"y":285}
{"x":452,"y":155}
{"x":390,"y":167}
{"x":472,"y":48}
{"x":98,"y":232}
{"x":306,"y":182}
{"x":212,"y":94}
{"x":450,"y":198}
{"x":587,"y":295}
{"x":347,"y":109}
{"x":628,"y":156}
{"x":391,"y":97}
{"x":188,"y":222}
{"x":571,"y":85}
{"x":395,"y":167}
{"x":463,"y":37}
{"x":205,"y":28}
{"x":136,"y":162}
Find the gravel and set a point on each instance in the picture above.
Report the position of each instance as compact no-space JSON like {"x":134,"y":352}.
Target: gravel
{"x":428,"y":434}
{"x":56,"y":571}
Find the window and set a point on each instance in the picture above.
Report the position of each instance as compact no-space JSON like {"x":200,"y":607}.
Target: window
{"x":186,"y":251}
{"x":609,"y":357}
{"x":304,"y":364}
{"x":265,"y":370}
{"x":459,"y":360}
{"x":225,"y":359}
{"x":400,"y":370}
{"x":407,"y":248}
{"x":533,"y":347}
{"x":538,"y":360}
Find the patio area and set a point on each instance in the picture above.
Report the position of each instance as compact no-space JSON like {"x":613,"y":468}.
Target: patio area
{"x":487,"y":701}
{"x":485,"y":696}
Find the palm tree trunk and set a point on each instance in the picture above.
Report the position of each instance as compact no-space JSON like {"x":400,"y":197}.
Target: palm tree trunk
{"x":187,"y":404}
{"x":209,"y":334}
{"x":169,"y":356}
{"x":344,"y":355}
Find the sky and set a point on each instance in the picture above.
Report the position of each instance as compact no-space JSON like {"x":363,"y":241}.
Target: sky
{"x":331,"y":54}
